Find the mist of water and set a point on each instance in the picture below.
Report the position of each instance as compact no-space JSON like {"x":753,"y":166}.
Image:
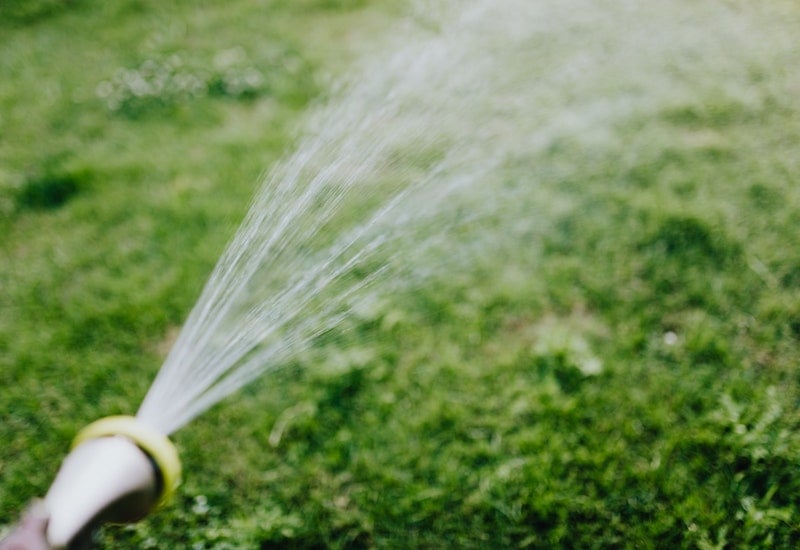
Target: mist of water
{"x":416,"y":141}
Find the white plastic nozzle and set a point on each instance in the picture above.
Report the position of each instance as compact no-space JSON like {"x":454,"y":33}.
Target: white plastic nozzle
{"x":103,"y":479}
{"x":118,"y":471}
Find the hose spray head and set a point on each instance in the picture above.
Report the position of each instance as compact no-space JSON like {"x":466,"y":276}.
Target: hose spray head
{"x":118,"y":470}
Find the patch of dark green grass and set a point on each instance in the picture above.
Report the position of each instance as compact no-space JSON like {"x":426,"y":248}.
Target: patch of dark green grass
{"x":51,"y":190}
{"x":27,"y":12}
{"x":691,"y":240}
{"x":764,"y":196}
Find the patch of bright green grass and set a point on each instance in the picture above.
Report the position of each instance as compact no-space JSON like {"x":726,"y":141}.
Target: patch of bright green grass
{"x":627,"y":379}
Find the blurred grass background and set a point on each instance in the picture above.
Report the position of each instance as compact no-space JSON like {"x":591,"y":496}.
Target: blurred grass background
{"x":627,"y":379}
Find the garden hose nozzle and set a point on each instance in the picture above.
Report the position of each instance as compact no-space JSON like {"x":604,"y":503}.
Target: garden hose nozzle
{"x":118,"y":470}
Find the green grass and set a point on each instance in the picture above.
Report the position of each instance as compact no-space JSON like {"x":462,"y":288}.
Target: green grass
{"x":624,"y":377}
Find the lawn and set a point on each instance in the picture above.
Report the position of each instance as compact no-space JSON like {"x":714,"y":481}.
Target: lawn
{"x":605,"y":357}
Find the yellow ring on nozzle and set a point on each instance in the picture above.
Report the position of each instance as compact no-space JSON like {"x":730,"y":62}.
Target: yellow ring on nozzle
{"x":156,"y":445}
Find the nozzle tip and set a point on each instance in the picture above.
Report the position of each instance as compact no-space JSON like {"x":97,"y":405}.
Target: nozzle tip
{"x":155,"y":444}
{"x":118,"y":470}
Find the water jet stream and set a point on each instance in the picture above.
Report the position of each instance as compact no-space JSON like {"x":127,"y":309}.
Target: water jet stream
{"x":420,"y":131}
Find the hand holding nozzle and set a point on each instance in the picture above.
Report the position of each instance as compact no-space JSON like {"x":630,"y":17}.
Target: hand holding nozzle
{"x":118,"y":471}
{"x":31,"y":532}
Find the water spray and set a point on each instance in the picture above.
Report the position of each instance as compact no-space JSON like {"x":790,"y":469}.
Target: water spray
{"x":118,"y":471}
